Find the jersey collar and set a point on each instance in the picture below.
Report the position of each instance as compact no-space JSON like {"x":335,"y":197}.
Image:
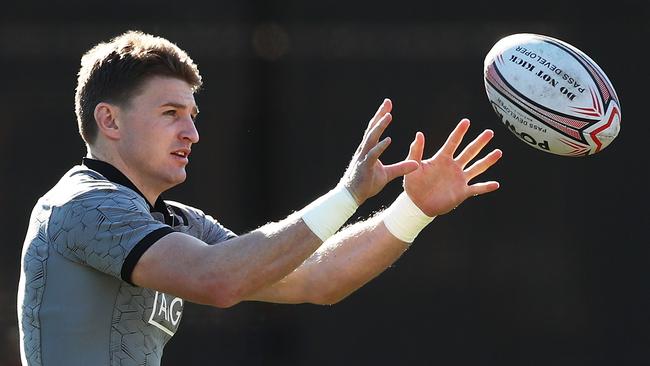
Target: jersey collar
{"x":114,"y":175}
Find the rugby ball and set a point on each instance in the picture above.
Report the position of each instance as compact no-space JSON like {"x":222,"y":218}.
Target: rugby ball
{"x":551,"y":95}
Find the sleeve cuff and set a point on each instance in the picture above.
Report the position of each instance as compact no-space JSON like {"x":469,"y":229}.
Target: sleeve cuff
{"x":138,"y":250}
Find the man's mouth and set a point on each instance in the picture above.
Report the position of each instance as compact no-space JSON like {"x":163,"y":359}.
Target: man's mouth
{"x":183,"y":153}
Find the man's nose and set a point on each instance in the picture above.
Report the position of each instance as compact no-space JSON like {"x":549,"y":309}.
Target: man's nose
{"x":189,"y":131}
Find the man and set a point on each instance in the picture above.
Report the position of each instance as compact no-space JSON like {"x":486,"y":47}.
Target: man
{"x":107,"y":264}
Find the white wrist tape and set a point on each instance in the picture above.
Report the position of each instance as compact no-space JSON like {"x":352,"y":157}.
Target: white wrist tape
{"x":327,"y":214}
{"x":404,"y":219}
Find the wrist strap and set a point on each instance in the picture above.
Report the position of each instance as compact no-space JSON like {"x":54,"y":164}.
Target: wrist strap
{"x":327,"y":214}
{"x":404,"y":219}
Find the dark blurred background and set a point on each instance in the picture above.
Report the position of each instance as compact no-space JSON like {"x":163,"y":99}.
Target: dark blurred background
{"x":550,"y":270}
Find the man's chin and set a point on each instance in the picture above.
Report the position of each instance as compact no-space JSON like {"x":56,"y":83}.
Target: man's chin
{"x":180,"y":178}
{"x":176,"y":179}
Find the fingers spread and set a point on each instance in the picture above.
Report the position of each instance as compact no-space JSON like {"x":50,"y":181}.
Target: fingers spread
{"x":474,"y":148}
{"x":372,"y":137}
{"x":482,"y":165}
{"x":378,"y":149}
{"x":455,"y":138}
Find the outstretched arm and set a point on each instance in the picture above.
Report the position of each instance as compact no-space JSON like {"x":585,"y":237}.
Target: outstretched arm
{"x":224,"y":274}
{"x":362,"y":251}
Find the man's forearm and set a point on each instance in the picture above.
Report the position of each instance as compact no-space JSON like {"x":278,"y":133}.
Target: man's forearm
{"x":263,"y":256}
{"x":345,"y":262}
{"x":353,"y":257}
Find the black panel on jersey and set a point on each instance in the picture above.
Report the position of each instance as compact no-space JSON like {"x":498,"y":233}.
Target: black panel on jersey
{"x":134,"y":255}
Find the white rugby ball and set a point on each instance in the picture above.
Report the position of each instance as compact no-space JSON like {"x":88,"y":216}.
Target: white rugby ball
{"x":551,"y":95}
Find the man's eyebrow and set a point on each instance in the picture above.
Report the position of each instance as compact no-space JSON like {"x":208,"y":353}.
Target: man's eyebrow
{"x":195,"y":109}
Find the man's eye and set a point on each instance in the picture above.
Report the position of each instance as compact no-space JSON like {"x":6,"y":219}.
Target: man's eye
{"x":170,"y":112}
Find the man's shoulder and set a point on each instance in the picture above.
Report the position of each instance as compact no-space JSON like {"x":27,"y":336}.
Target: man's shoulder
{"x":84,"y":186}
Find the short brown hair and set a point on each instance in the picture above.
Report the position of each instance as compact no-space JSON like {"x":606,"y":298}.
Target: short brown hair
{"x":113,"y":72}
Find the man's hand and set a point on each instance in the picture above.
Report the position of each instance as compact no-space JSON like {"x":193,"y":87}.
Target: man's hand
{"x":367,"y":175}
{"x":442,"y":182}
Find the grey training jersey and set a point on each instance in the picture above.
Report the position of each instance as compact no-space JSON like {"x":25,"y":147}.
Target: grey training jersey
{"x":76,"y":305}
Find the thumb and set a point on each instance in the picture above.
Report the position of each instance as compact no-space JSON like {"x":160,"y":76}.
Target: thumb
{"x":400,"y":169}
{"x":417,"y":147}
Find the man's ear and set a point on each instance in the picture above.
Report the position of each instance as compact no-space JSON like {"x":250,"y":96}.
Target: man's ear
{"x":106,"y":119}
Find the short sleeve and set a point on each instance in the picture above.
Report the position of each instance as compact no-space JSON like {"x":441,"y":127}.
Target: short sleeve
{"x":108,"y":230}
{"x":196,"y":223}
{"x":215,"y":232}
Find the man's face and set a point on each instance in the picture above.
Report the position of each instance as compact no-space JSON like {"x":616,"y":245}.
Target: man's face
{"x":158,"y":132}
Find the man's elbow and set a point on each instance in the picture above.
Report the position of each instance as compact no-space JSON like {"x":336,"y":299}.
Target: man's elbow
{"x":224,"y":295}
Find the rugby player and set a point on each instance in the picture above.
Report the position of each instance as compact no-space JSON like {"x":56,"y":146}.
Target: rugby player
{"x":107,"y":263}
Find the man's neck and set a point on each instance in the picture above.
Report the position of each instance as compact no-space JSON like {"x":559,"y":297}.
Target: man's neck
{"x":151,"y":195}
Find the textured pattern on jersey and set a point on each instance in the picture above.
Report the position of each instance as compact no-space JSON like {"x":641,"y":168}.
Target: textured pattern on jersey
{"x":137,"y":345}
{"x":96,"y":223}
{"x":100,"y":228}
{"x":32,"y":286}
